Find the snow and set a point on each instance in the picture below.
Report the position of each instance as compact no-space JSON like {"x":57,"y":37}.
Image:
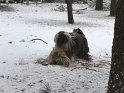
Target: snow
{"x":18,"y":71}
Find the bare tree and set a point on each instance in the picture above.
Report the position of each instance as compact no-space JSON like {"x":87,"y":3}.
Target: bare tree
{"x":69,"y":9}
{"x":113,"y":7}
{"x":27,"y":2}
{"x":116,"y":78}
{"x":99,"y":4}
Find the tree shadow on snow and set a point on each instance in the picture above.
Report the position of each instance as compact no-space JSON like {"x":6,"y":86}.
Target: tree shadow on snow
{"x":62,"y":23}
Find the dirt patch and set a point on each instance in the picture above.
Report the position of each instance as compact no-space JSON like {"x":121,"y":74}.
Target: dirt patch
{"x":6,"y":8}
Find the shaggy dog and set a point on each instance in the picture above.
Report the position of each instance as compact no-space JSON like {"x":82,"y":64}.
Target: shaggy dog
{"x":67,"y":46}
{"x":74,"y":44}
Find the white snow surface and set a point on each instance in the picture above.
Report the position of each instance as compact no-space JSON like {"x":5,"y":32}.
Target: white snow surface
{"x":18,"y":71}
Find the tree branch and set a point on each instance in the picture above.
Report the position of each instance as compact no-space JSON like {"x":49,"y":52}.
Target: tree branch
{"x":83,"y":67}
{"x":40,"y":40}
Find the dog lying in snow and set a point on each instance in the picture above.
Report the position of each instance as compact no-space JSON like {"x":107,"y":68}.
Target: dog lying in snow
{"x":67,"y":46}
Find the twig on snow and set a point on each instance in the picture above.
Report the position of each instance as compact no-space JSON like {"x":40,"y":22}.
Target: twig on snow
{"x":40,"y":40}
{"x":83,"y":67}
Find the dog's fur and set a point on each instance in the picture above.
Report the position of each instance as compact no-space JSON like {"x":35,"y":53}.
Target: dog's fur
{"x":58,"y":57}
{"x":82,"y":48}
{"x":68,"y":45}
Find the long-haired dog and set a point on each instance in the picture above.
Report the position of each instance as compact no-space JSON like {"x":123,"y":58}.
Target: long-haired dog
{"x":68,"y":45}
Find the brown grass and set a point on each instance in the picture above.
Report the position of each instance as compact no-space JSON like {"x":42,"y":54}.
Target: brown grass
{"x":6,"y":8}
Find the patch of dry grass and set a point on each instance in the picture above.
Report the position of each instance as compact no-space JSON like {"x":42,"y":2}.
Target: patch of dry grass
{"x":6,"y":8}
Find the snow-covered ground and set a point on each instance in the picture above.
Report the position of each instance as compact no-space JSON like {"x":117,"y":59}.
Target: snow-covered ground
{"x":18,"y":71}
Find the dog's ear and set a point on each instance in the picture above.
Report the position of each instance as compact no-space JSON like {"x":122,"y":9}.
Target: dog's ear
{"x":79,"y":31}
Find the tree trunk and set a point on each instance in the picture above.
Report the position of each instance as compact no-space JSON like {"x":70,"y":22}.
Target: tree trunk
{"x":27,"y":2}
{"x":49,"y":1}
{"x":116,"y":78}
{"x":70,"y":14}
{"x":113,"y":7}
{"x":99,"y":4}
{"x":22,"y":1}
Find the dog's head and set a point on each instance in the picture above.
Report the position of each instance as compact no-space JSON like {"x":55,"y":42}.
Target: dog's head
{"x":61,"y":38}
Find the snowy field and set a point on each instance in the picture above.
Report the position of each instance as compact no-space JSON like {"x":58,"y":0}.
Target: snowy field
{"x":19,"y":72}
